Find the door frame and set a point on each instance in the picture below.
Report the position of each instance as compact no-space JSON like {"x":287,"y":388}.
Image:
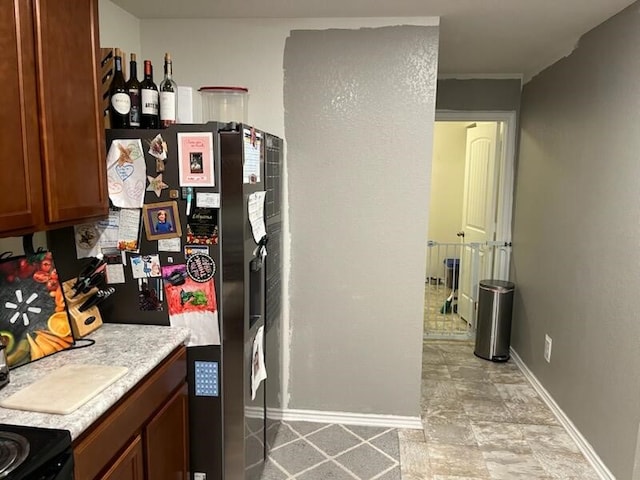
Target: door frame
{"x":507,"y":173}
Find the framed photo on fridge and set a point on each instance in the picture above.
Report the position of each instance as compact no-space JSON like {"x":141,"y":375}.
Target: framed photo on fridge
{"x":195,"y":159}
{"x":161,"y":220}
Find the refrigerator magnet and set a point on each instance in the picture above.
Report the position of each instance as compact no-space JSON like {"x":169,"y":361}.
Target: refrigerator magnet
{"x":200,"y":267}
{"x":202,"y":226}
{"x":158,"y":150}
{"x":150,"y":294}
{"x":195,"y":159}
{"x":145,"y":266}
{"x":161,"y":220}
{"x":193,"y":249}
{"x":156,"y":184}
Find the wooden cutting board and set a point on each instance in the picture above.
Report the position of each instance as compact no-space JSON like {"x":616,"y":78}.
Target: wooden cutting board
{"x":65,"y":389}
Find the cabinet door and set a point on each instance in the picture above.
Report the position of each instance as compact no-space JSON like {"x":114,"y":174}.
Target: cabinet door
{"x":20,"y":183}
{"x":73,"y":144}
{"x":167,"y":440}
{"x":129,"y":465}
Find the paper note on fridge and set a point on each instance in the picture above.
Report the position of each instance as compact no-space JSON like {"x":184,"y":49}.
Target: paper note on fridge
{"x":255,"y":208}
{"x":126,"y":173}
{"x":252,"y":149}
{"x":258,"y":369}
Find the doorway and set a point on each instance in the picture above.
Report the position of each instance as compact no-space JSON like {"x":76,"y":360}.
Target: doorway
{"x":469,"y":236}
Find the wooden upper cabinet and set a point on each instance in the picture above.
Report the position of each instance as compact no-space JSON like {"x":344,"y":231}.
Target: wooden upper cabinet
{"x":52,"y":130}
{"x":20,"y":180}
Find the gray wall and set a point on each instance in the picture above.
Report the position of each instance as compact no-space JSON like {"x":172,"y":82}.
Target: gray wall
{"x":576,"y":236}
{"x":359,"y":123}
{"x":479,"y":94}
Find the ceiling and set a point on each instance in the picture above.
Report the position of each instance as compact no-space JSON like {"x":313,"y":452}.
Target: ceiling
{"x":477,"y":37}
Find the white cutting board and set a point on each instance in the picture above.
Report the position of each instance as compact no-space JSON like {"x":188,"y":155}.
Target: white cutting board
{"x":65,"y":389}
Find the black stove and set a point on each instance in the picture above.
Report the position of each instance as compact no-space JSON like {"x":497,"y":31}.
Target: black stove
{"x":31,"y":453}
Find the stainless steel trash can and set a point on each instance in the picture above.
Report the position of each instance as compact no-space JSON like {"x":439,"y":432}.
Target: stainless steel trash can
{"x":493,"y":332}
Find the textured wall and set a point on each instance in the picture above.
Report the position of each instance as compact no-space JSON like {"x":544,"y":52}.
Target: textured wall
{"x":576,"y":231}
{"x":359,"y":122}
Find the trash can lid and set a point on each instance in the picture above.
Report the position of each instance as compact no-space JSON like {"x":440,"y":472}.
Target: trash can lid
{"x":497,"y":285}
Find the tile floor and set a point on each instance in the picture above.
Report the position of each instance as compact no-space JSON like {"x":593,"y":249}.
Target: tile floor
{"x":482,"y":421}
{"x":313,"y":451}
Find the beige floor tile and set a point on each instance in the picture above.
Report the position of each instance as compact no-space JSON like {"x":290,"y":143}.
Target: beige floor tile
{"x":435,"y":372}
{"x":549,"y":437}
{"x":411,"y":435}
{"x":414,"y":460}
{"x":456,"y":477}
{"x":567,"y":466}
{"x":456,"y":460}
{"x":508,"y":465}
{"x":448,"y":430}
{"x":487,"y":410}
{"x":500,"y":436}
{"x":534,"y":411}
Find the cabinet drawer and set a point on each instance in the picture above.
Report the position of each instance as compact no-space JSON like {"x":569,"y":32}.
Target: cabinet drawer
{"x":96,"y":448}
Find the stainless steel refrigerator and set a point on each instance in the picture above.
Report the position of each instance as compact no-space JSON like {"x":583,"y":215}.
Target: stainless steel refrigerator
{"x":230,"y":432}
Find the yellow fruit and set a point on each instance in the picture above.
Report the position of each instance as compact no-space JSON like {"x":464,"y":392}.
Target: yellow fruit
{"x":58,"y":323}
{"x":46,"y":347}
{"x":36,"y":351}
{"x":58,"y":342}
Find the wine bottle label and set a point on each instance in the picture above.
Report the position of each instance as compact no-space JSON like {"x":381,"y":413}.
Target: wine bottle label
{"x":134,"y":115}
{"x":168,"y":106}
{"x":149,"y":101}
{"x":121,"y":103}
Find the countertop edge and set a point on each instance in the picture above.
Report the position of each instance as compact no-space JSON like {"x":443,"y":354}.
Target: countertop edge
{"x":140,"y":348}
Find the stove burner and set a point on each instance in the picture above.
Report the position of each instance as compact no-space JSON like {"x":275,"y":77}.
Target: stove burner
{"x":13,"y":450}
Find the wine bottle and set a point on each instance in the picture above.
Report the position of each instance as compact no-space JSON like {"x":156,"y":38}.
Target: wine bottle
{"x":149,"y":99}
{"x":119,"y":101}
{"x":168,"y":95}
{"x":133,"y":87}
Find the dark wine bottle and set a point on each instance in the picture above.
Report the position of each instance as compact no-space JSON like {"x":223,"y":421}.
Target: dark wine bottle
{"x":149,"y":117}
{"x":133,"y":87}
{"x":119,"y":100}
{"x":168,"y":95}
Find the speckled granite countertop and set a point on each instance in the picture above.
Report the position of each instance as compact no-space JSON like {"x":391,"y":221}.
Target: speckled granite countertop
{"x":140,"y":348}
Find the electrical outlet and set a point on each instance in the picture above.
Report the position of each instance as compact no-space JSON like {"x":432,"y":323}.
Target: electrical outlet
{"x":199,"y":476}
{"x":547,"y":348}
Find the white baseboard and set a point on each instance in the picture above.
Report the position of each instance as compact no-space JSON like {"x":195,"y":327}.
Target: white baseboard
{"x":582,"y":443}
{"x":346,"y":418}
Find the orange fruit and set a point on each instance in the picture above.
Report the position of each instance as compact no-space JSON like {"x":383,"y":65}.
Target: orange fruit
{"x":58,"y":324}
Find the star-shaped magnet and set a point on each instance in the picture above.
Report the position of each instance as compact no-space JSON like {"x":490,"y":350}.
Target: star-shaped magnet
{"x":156,"y":184}
{"x":125,"y":155}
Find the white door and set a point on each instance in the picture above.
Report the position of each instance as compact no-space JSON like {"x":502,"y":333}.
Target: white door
{"x":478,"y":211}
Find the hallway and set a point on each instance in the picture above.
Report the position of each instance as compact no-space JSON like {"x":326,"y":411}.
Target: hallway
{"x":484,"y":421}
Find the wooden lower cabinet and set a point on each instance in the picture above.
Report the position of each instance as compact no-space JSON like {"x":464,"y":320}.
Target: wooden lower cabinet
{"x":129,"y":465}
{"x":145,"y":435}
{"x":167,"y":440}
